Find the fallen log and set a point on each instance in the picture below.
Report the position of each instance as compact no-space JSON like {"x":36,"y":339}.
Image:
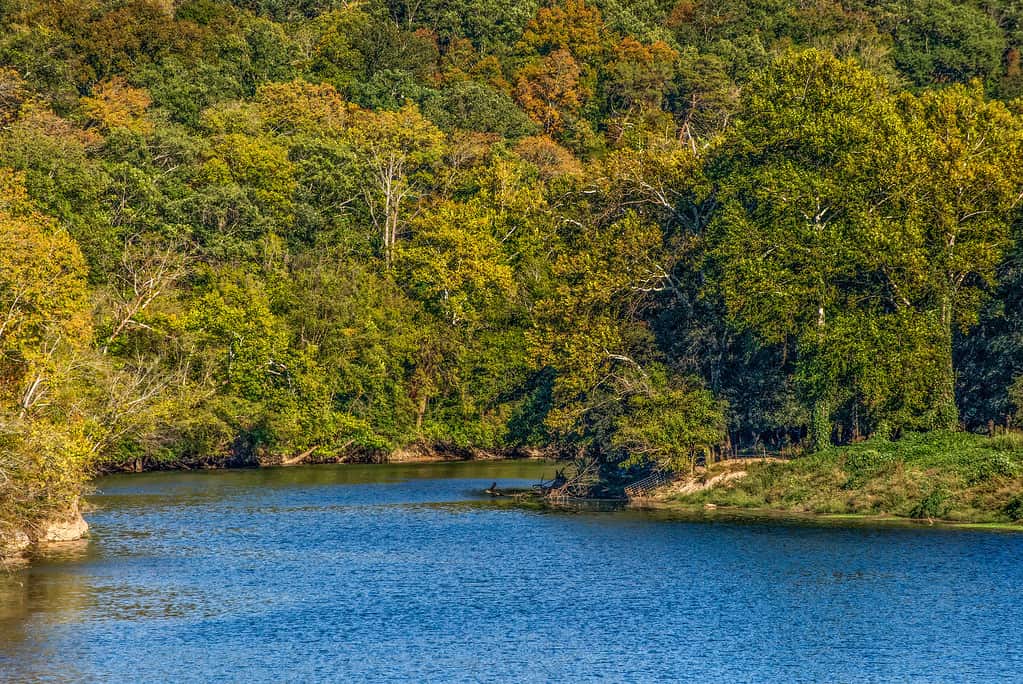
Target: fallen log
{"x":297,"y":460}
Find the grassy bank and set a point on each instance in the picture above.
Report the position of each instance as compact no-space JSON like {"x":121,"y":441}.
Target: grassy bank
{"x":945,"y":476}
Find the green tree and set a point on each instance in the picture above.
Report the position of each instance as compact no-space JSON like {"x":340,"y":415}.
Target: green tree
{"x":590,"y":329}
{"x":940,"y":41}
{"x":962,"y":186}
{"x":797,"y":185}
{"x":671,"y":426}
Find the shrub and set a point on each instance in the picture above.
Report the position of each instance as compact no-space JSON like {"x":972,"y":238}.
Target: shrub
{"x":1014,"y":509}
{"x":934,"y":505}
{"x":1010,"y":441}
{"x":993,"y":465}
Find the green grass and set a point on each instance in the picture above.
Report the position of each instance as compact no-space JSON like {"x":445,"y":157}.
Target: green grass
{"x":948,"y":476}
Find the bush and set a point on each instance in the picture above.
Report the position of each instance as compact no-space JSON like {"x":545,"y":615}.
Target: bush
{"x":865,"y":464}
{"x":934,"y":505}
{"x":1010,"y":441}
{"x":1014,"y":509}
{"x":992,"y":466}
{"x":868,"y":460}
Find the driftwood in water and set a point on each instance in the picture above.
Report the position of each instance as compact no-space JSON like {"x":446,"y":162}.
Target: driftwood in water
{"x":578,"y":485}
{"x":296,"y":460}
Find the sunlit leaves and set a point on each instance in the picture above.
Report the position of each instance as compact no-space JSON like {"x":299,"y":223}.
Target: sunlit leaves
{"x":43,"y":296}
{"x":851,"y":202}
{"x":591,"y":328}
{"x":671,"y":425}
{"x":115,"y":104}
{"x":455,"y":262}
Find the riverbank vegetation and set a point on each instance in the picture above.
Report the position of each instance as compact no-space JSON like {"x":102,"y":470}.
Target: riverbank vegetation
{"x":635,"y":233}
{"x":937,"y":476}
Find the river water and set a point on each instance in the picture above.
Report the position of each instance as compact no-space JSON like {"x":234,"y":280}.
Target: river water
{"x":403,"y":573}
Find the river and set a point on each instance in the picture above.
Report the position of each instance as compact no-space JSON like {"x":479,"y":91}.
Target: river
{"x":405,"y":573}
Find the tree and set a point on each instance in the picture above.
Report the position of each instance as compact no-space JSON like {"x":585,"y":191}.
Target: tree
{"x":572,"y":26}
{"x":491,"y":25}
{"x":796,"y":185}
{"x":990,"y":354}
{"x":44,"y":327}
{"x":549,"y":158}
{"x":962,"y":187}
{"x":115,"y":104}
{"x":940,"y":41}
{"x":639,"y":74}
{"x":301,"y":107}
{"x":455,"y":263}
{"x":671,"y":426}
{"x":549,"y":90}
{"x":64,"y":179}
{"x":474,"y":106}
{"x":260,"y":167}
{"x":13,"y":94}
{"x":43,"y":295}
{"x":897,"y":211}
{"x":148,"y":271}
{"x":1016,"y":397}
{"x":397,"y":154}
{"x":590,"y":329}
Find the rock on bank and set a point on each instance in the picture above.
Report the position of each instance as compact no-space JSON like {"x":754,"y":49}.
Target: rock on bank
{"x":65,"y":527}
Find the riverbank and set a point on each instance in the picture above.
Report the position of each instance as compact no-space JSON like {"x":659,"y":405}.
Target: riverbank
{"x":941,"y":478}
{"x":953,"y":478}
{"x":673,"y":510}
{"x":21,"y":537}
{"x":18,"y":542}
{"x":417,"y":452}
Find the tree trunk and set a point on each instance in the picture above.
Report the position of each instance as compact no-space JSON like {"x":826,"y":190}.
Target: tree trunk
{"x":820,"y":426}
{"x":820,"y":419}
{"x":421,"y":411}
{"x":946,"y":411}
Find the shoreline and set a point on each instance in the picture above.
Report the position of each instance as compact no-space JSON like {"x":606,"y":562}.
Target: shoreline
{"x":953,"y":480}
{"x":68,"y":526}
{"x":676,"y":510}
{"x":412,"y":454}
{"x":696,"y":512}
{"x":71,"y":526}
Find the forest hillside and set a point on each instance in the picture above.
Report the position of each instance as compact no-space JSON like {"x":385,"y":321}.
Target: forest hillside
{"x":640,"y":231}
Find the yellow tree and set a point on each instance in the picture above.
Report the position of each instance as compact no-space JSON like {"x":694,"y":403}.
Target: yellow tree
{"x":303,"y":107}
{"x":116,"y":104}
{"x":44,"y":314}
{"x":43,"y":295}
{"x":455,"y":262}
{"x":397,"y":156}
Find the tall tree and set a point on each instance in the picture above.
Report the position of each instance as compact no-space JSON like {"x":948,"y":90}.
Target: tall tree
{"x":796,"y":182}
{"x":962,"y":185}
{"x":398,"y":154}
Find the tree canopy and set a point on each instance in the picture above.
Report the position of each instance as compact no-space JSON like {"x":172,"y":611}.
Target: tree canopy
{"x":234,"y":232}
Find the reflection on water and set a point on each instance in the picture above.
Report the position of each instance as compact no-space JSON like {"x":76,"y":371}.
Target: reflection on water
{"x":390,"y":573}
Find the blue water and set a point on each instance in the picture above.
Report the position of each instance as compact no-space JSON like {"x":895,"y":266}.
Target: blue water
{"x":376,"y":573}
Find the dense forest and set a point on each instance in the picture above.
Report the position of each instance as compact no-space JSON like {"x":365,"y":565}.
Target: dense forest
{"x":638,"y":230}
